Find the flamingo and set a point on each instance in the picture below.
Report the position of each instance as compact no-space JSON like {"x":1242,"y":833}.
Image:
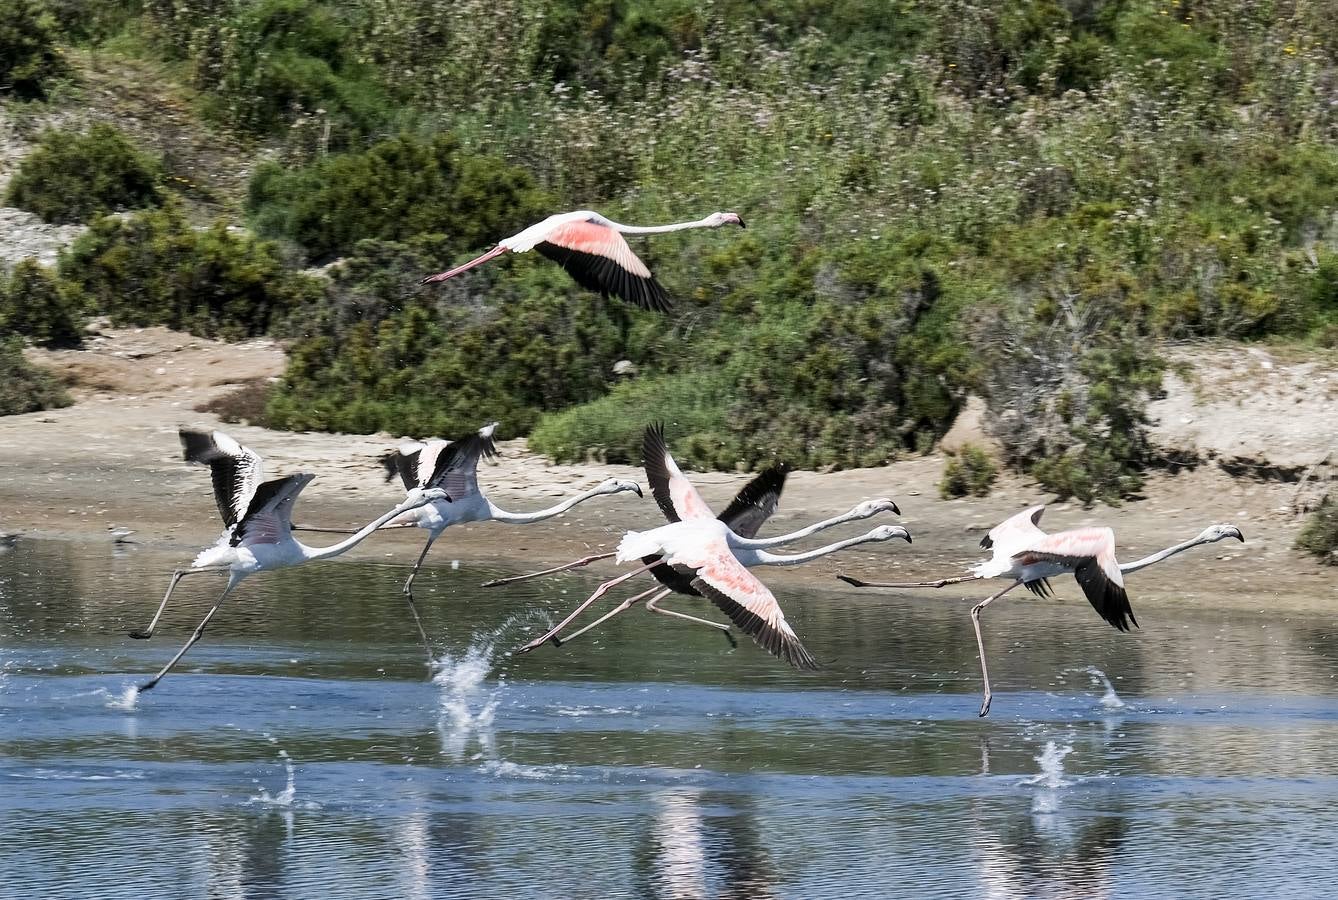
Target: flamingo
{"x":258,"y":519}
{"x":592,"y":250}
{"x":745,"y":515}
{"x":1026,"y":555}
{"x":710,"y":553}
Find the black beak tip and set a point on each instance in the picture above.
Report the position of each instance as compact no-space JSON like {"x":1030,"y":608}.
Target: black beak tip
{"x":908,"y":539}
{"x":1240,"y":536}
{"x":895,"y":510}
{"x":742,"y":224}
{"x":637,"y":488}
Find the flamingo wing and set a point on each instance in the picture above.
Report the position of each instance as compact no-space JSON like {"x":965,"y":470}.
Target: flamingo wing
{"x":598,"y":258}
{"x":269,"y":516}
{"x":455,"y":469}
{"x":676,"y":496}
{"x":404,"y":462}
{"x":1024,"y":526}
{"x":750,"y":605}
{"x":756,"y":503}
{"x":236,"y":471}
{"x":1090,"y":552}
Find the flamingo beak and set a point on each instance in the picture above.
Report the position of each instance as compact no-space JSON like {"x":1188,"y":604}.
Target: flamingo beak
{"x":1236,"y":533}
{"x":636,"y":487}
{"x":895,"y":511}
{"x":739,"y":220}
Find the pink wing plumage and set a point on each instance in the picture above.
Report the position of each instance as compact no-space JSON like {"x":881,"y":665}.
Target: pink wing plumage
{"x":750,"y":605}
{"x":676,"y":496}
{"x":1090,"y":552}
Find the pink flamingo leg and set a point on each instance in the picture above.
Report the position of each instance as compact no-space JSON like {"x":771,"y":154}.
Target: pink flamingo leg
{"x":599,"y":592}
{"x":980,"y":643}
{"x":855,"y":582}
{"x":478,"y":261}
{"x":620,"y":608}
{"x":583,"y":561}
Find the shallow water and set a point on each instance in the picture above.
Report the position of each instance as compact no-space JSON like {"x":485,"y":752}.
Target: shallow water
{"x":303,"y":749}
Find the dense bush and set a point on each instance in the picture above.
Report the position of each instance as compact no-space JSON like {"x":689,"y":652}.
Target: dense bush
{"x":153,"y":268}
{"x":969,"y":471}
{"x":393,"y":191}
{"x":24,"y":388}
{"x":39,"y":305}
{"x":29,"y":55}
{"x":1319,"y":537}
{"x":71,"y":177}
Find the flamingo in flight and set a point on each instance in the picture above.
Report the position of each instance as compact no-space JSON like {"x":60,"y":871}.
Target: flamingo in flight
{"x":592,"y":250}
{"x":257,"y":516}
{"x":1026,"y":555}
{"x":745,"y":515}
{"x":707,"y":552}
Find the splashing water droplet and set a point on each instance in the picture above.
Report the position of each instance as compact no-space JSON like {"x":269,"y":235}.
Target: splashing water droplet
{"x":1051,"y":760}
{"x":468,"y":703}
{"x":127,"y":700}
{"x":1110,"y":699}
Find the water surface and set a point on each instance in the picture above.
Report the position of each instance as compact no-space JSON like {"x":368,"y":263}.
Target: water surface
{"x":304,"y":749}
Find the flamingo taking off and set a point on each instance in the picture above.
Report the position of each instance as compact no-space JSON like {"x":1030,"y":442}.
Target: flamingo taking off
{"x":745,"y":515}
{"x":709,"y":553}
{"x":1026,"y":555}
{"x":592,"y":250}
{"x":257,"y":516}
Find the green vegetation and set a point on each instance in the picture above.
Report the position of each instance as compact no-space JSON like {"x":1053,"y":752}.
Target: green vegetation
{"x":29,"y":55}
{"x":24,"y":388}
{"x":968,"y":471}
{"x":72,"y":177}
{"x":1014,"y":199}
{"x":38,"y":305}
{"x":1319,"y":537}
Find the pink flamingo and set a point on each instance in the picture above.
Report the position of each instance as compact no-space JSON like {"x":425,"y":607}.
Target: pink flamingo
{"x":710,"y":551}
{"x":592,"y":250}
{"x":1026,"y":555}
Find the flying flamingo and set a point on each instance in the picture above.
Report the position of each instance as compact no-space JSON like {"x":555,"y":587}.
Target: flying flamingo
{"x":745,"y":515}
{"x":1026,"y":555}
{"x":710,"y":554}
{"x":453,"y":466}
{"x":592,"y":250}
{"x":258,"y":519}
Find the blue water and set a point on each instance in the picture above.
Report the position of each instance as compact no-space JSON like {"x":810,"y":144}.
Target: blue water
{"x":304,"y":749}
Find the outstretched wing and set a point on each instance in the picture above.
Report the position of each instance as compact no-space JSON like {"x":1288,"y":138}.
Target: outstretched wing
{"x":1091,"y":554}
{"x":756,"y":503}
{"x":1025,"y":526}
{"x":677,"y":498}
{"x":750,"y":605}
{"x":269,"y":516}
{"x":404,"y":462}
{"x":455,"y":468}
{"x":599,"y":260}
{"x":236,"y":470}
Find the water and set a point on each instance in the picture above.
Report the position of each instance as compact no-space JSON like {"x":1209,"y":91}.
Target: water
{"x":304,"y":749}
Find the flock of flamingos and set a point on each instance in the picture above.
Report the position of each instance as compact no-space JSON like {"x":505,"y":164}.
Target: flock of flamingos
{"x":697,"y":554}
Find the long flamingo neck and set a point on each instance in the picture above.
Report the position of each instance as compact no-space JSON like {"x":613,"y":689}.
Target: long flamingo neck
{"x":802,"y":533}
{"x":352,"y":540}
{"x":1160,"y":555}
{"x":661,"y":229}
{"x":793,"y":559}
{"x":498,"y":514}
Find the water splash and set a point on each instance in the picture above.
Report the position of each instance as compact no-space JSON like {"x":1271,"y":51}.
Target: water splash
{"x":1051,"y":761}
{"x":1110,"y":699}
{"x":127,"y":700}
{"x":286,"y":796}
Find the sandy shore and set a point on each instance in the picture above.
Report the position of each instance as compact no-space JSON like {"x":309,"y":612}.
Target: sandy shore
{"x":114,"y":458}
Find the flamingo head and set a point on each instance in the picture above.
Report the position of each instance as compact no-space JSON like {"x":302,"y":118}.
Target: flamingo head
{"x":888,"y":532}
{"x":1215,"y":533}
{"x":616,"y":486}
{"x":869,"y":508}
{"x":715,"y":220}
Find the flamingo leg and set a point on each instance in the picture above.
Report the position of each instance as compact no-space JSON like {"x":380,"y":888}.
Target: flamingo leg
{"x":980,"y":643}
{"x":583,"y":561}
{"x":620,"y":608}
{"x":599,"y":592}
{"x":855,"y":582}
{"x":176,"y":576}
{"x":465,"y":267}
{"x":653,"y":606}
{"x":195,"y":635}
{"x":408,"y":585}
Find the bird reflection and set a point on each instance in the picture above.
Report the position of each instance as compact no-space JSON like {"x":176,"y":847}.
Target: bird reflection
{"x":246,"y":856}
{"x":688,"y":853}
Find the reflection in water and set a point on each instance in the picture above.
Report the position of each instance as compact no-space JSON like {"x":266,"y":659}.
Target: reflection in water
{"x":687,"y":853}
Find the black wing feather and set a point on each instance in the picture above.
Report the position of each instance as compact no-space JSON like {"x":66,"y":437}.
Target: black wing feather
{"x":750,"y":623}
{"x":263,"y":495}
{"x":1108,"y":598}
{"x":405,"y":465}
{"x":604,"y":276}
{"x":756,"y":503}
{"x":225,"y":470}
{"x":653,"y":450}
{"x":460,"y":456}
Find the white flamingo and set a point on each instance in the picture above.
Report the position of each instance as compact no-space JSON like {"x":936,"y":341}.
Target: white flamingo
{"x":592,"y":250}
{"x":258,"y":519}
{"x":711,"y":553}
{"x":1026,"y":555}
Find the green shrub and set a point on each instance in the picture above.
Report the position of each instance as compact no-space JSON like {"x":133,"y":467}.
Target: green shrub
{"x":29,"y":56}
{"x":969,"y":471}
{"x":153,"y":268}
{"x":397,"y":189}
{"x":37,"y":304}
{"x":24,"y":388}
{"x":71,"y":177}
{"x":1319,"y":537}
